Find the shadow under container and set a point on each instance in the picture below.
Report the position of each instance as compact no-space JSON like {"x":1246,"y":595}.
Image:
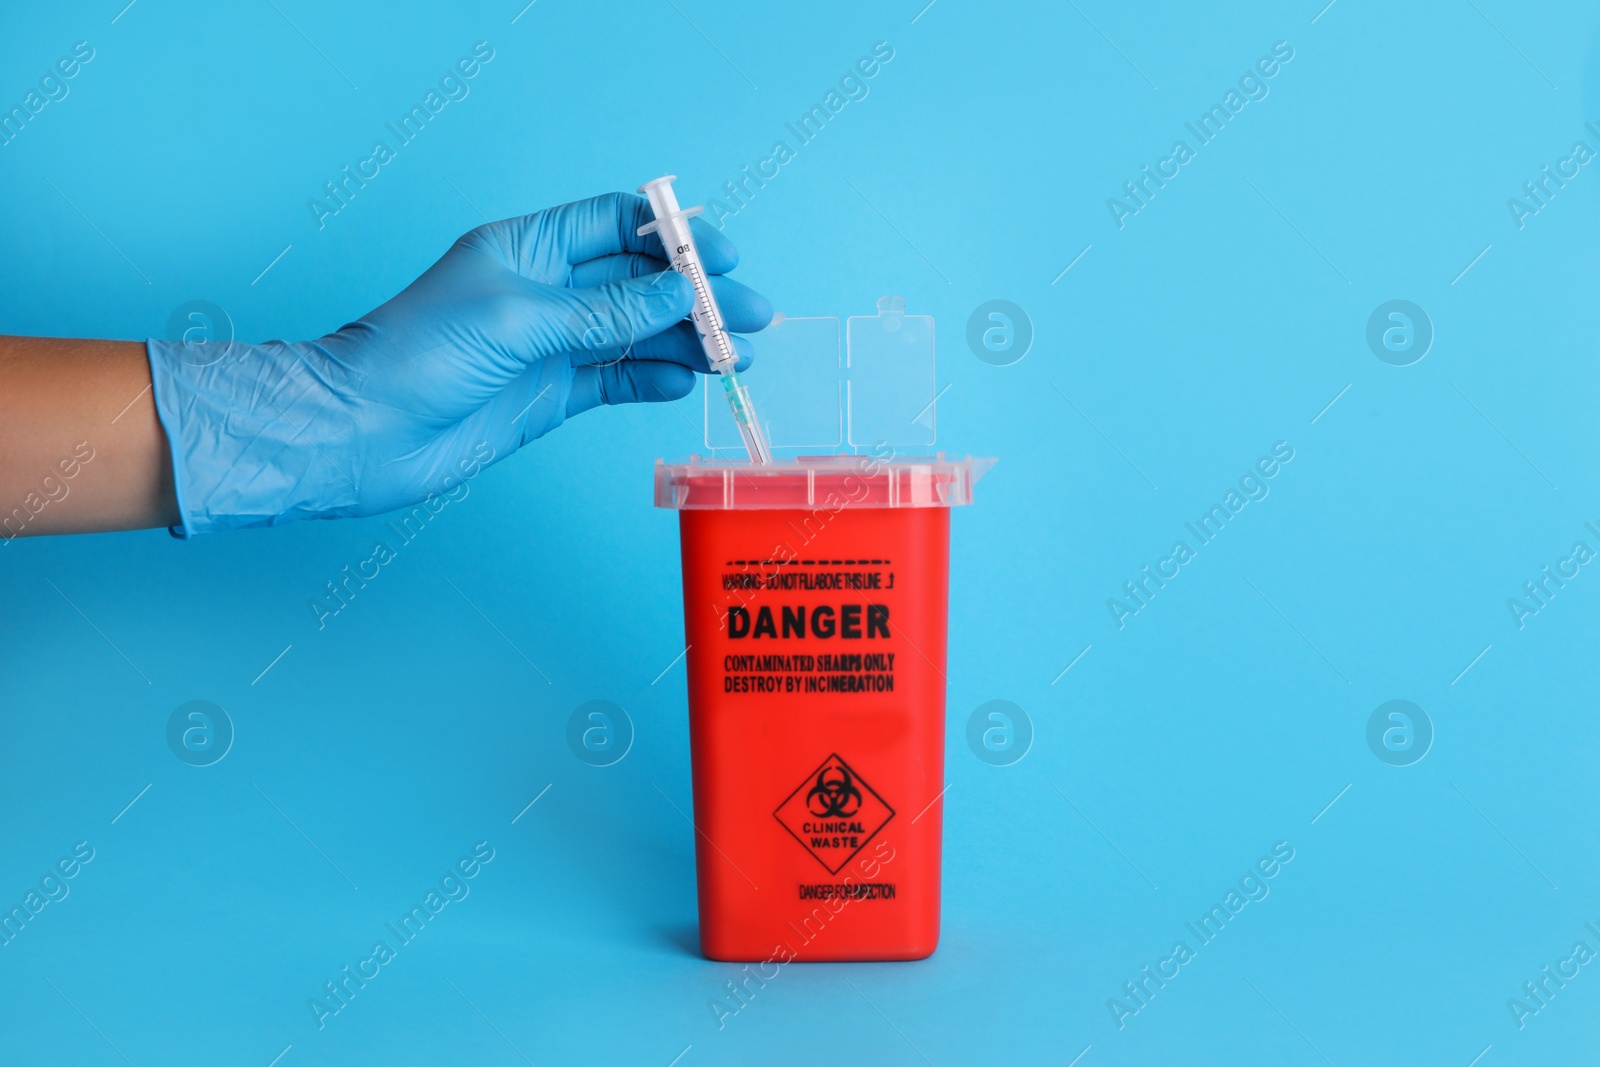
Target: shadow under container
{"x":815,"y":594}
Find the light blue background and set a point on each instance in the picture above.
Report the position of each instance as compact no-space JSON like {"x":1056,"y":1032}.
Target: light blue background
{"x":1223,"y":718}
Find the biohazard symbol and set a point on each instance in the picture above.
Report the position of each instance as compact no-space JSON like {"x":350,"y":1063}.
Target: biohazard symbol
{"x":833,"y":813}
{"x":835,"y":794}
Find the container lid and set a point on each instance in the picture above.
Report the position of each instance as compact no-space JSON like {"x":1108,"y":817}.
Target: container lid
{"x":822,"y":385}
{"x":832,"y":482}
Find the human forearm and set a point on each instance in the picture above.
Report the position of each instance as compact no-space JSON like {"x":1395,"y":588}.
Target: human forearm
{"x":520,"y":325}
{"x":81,"y":448}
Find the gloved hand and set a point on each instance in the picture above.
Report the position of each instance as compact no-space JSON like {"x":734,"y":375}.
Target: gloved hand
{"x":521,"y":325}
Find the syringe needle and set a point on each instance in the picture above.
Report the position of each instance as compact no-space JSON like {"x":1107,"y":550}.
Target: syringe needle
{"x":755,"y":440}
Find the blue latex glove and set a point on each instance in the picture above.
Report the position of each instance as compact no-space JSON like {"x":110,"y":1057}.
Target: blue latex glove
{"x":521,"y":325}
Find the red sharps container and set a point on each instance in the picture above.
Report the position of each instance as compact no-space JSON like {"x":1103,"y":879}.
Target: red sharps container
{"x":814,"y":601}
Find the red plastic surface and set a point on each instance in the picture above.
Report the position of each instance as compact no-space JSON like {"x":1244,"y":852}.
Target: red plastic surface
{"x":816,"y":713}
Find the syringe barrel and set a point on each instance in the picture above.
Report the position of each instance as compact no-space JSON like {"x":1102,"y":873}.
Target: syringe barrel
{"x":672,"y":226}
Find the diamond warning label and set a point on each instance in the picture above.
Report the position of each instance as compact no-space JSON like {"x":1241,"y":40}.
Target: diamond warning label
{"x":833,"y":813}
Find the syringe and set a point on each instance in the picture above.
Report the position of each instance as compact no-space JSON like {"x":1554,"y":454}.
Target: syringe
{"x":673,"y":226}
